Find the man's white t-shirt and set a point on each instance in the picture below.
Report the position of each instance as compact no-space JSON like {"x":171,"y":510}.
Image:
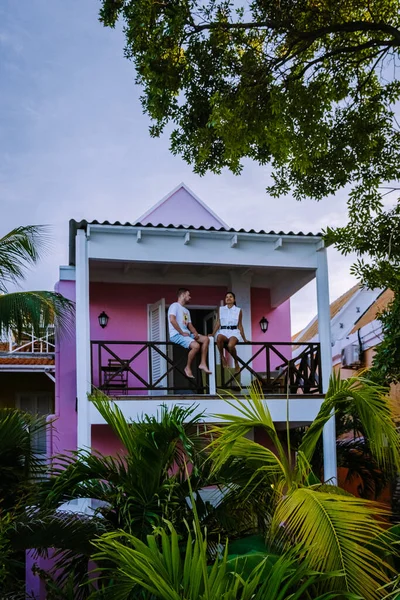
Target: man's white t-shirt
{"x":182,"y":317}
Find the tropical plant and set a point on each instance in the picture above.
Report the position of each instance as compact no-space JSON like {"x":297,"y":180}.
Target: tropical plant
{"x":20,"y":466}
{"x":162,"y":567}
{"x":339,"y":531}
{"x":20,"y":473}
{"x":143,"y":483}
{"x":354,"y":455}
{"x":19,"y":249}
{"x":134,"y":490}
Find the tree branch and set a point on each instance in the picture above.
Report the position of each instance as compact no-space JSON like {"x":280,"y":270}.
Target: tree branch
{"x":285,"y":27}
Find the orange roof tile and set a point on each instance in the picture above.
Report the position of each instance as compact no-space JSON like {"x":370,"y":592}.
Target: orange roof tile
{"x":18,"y":360}
{"x":370,"y":314}
{"x":312,"y":330}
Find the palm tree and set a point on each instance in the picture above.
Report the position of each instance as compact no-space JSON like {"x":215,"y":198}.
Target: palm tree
{"x":135,"y":490}
{"x":145,"y":482}
{"x":20,"y":249}
{"x":20,"y":474}
{"x":339,"y":531}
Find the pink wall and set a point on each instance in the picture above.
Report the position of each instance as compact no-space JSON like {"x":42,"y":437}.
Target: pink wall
{"x":126,"y":305}
{"x":279,"y":329}
{"x":105,"y":441}
{"x":64,"y":429}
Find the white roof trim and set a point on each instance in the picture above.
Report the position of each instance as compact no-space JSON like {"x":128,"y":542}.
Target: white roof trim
{"x":189,"y":191}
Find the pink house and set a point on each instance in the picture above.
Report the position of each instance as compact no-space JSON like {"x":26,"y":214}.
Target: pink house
{"x":123,"y":277}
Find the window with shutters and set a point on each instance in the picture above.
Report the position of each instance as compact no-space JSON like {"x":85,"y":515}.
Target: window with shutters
{"x":36,"y":403}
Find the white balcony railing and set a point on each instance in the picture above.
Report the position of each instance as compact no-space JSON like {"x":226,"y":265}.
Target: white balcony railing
{"x":29,"y":342}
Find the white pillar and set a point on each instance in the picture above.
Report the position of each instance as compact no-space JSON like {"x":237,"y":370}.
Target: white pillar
{"x":324,"y":329}
{"x":241,"y":287}
{"x":212,"y":379}
{"x":83,"y":383}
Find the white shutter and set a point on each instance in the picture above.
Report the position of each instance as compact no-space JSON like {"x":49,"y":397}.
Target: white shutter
{"x":157,"y":333}
{"x":37,"y":404}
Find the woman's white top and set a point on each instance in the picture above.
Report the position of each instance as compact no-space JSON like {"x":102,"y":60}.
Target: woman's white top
{"x":229,"y":317}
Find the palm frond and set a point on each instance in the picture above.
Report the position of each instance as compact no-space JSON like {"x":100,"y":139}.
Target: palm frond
{"x":38,"y":309}
{"x":66,"y":539}
{"x":19,"y":249}
{"x":370,"y":403}
{"x":229,"y":439}
{"x":165,"y":571}
{"x":19,"y":462}
{"x":338,"y":533}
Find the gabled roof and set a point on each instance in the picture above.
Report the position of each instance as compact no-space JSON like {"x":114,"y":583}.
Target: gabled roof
{"x":376,"y":307}
{"x":181,"y":206}
{"x":311,"y":330}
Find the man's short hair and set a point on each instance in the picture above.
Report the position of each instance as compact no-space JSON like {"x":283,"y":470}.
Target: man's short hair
{"x":182,"y":291}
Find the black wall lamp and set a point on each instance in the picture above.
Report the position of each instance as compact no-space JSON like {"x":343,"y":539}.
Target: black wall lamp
{"x":264,"y":325}
{"x":103,"y":319}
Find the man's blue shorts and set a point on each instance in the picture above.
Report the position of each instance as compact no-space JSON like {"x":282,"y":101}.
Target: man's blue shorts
{"x":183,"y":340}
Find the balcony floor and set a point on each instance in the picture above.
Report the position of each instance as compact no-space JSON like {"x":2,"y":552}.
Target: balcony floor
{"x":302,"y":408}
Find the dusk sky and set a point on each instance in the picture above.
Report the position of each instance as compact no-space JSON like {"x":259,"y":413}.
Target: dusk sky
{"x":75,"y":144}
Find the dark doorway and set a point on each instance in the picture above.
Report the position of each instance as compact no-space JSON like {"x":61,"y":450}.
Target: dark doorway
{"x":202,"y":319}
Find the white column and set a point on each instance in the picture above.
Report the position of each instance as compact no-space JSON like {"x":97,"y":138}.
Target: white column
{"x":241,"y":287}
{"x":324,"y":329}
{"x":212,"y":380}
{"x":83,"y":383}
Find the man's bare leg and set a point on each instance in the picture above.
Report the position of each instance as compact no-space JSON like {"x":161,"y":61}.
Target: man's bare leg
{"x":193,"y":350}
{"x":204,"y":341}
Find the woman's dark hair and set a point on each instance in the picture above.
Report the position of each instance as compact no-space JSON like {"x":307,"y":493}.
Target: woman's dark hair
{"x":234,"y":297}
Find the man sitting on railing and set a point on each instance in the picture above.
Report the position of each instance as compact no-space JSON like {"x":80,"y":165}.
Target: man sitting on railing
{"x":182,"y":332}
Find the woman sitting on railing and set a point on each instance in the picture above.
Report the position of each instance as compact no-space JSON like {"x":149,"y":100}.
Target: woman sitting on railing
{"x":229,"y":329}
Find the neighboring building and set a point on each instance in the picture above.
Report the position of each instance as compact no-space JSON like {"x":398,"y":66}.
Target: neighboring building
{"x":123,"y":277}
{"x":356,"y":332}
{"x":27,"y":369}
{"x":355,"y":329}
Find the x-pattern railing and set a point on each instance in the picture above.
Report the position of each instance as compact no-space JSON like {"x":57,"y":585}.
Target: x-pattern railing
{"x":291,"y":375}
{"x":116,"y":376}
{"x":29,"y":342}
{"x":120,"y":371}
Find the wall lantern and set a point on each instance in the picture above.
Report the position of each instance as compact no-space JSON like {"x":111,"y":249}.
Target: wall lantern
{"x":103,"y":319}
{"x":264,"y":325}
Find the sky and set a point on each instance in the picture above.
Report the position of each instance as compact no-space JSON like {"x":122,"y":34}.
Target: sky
{"x":74,"y":143}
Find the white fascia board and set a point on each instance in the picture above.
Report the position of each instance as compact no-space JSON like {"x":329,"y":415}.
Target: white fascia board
{"x":181,"y":231}
{"x":67,"y":273}
{"x":214,"y":248}
{"x":300,"y":411}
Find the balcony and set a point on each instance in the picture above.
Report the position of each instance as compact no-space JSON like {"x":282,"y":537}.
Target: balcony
{"x":135,"y":369}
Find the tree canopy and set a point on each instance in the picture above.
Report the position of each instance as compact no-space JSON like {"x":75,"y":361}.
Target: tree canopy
{"x":307,"y":86}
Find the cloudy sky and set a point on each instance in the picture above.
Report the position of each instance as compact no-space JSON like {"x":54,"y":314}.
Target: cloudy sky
{"x":75,"y":144}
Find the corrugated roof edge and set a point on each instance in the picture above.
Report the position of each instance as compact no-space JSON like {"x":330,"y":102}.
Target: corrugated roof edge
{"x":75,"y":225}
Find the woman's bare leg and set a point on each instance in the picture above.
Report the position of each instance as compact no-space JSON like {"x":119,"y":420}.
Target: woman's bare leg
{"x":221,"y":341}
{"x":232,"y":351}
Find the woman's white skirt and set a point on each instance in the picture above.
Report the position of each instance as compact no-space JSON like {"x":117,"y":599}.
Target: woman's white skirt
{"x":229,"y":333}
